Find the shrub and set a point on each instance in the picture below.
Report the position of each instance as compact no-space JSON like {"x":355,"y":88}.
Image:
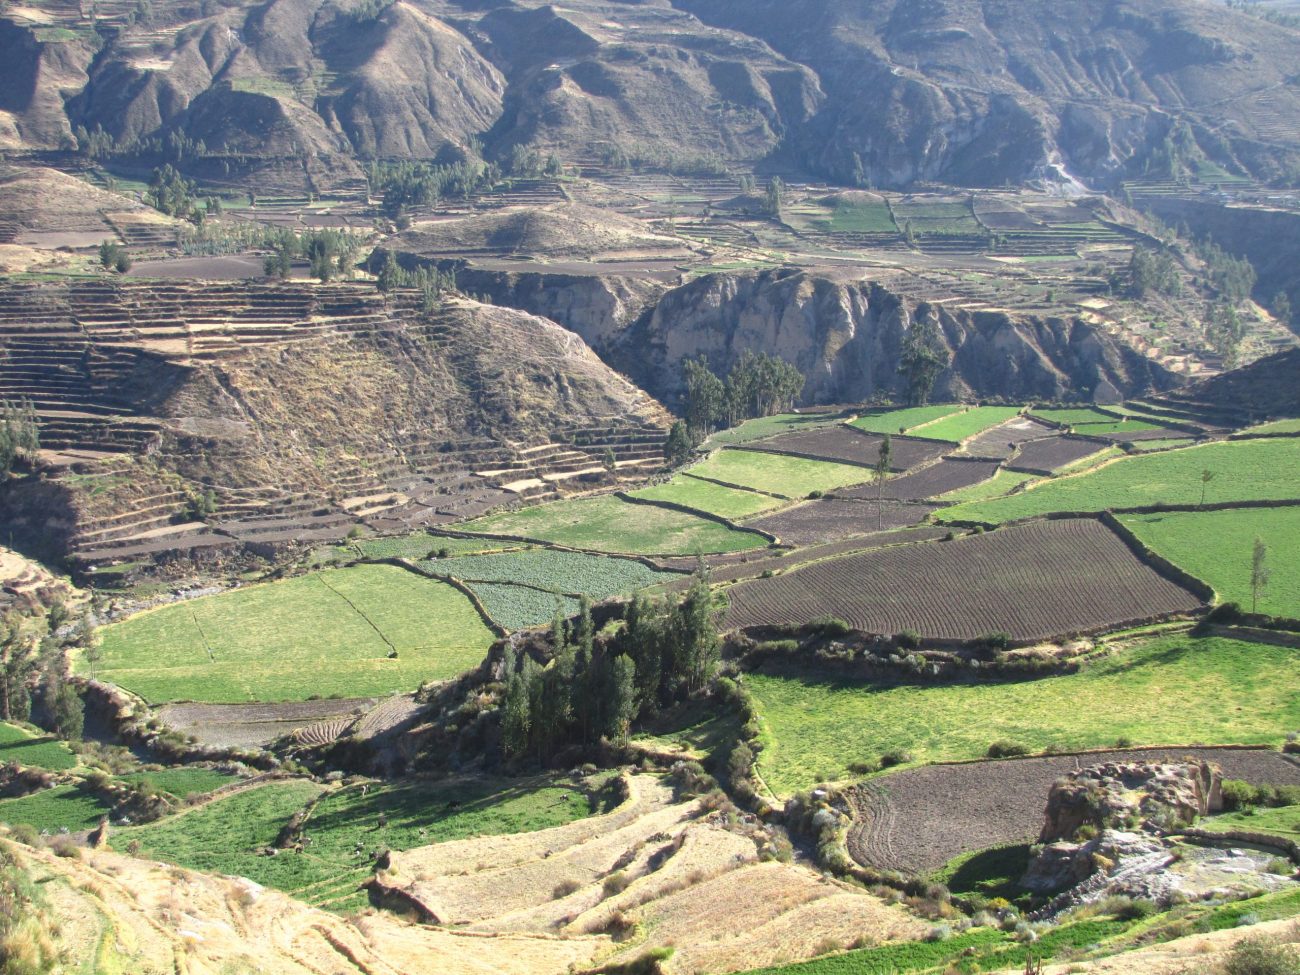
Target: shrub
{"x":831,"y":626}
{"x":994,"y":642}
{"x":615,"y":883}
{"x":896,"y":756}
{"x":66,"y":847}
{"x":1261,"y":956}
{"x":814,"y":495}
{"x":1002,"y":748}
{"x":1128,"y":908}
{"x":864,"y":768}
{"x":564,"y":888}
{"x":25,"y":834}
{"x":908,"y":639}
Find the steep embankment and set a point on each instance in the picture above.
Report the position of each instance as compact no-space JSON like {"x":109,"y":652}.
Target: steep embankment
{"x":845,"y":334}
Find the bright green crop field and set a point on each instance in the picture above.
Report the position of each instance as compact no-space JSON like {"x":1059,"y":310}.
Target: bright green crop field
{"x":421,"y":544}
{"x":963,"y":426}
{"x":1217,"y":548}
{"x":575,"y":573}
{"x":1003,"y":482}
{"x":905,"y":420}
{"x":225,"y":835}
{"x":1244,"y":470}
{"x":607,"y":524}
{"x":1165,"y":690}
{"x":1071,"y":417}
{"x":770,"y":426}
{"x":182,"y":782}
{"x":326,"y":633}
{"x":1279,"y":820}
{"x":781,"y":474}
{"x":63,"y":807}
{"x":1278,"y":426}
{"x":25,"y":748}
{"x":731,"y":503}
{"x":519,"y":608}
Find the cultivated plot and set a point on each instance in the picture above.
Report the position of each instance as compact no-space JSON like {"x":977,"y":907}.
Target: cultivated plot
{"x":971,"y":423}
{"x":1167,"y":689}
{"x":1052,"y":453}
{"x":22,"y":747}
{"x":608,"y":524}
{"x":731,"y":503}
{"x":1241,"y":470}
{"x":368,"y":629}
{"x":843,"y":444}
{"x":929,"y":482}
{"x":904,"y":421}
{"x":1032,"y":582}
{"x":825,"y":520}
{"x":779,"y":474}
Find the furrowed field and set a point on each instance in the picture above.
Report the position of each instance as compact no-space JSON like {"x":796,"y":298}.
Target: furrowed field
{"x":1244,"y":470}
{"x":607,"y":524}
{"x":226,"y":835}
{"x":327,"y":633}
{"x":1209,"y":691}
{"x":1217,"y":548}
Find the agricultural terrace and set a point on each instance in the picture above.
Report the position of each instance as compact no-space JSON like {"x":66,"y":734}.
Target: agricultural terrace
{"x":730,"y":503}
{"x":226,"y":835}
{"x":422,"y":545}
{"x":928,"y":482}
{"x":827,"y":520}
{"x":1277,"y":427}
{"x":181,"y":781}
{"x":1032,"y":582}
{"x":519,"y":608}
{"x":1217,"y":547}
{"x":17,"y":745}
{"x":1243,"y":470}
{"x":844,"y":444}
{"x":608,"y":524}
{"x":1000,"y":484}
{"x":969,"y":423}
{"x":1210,"y":691}
{"x":65,"y":807}
{"x":769,"y":426}
{"x":572,"y":573}
{"x":905,"y":421}
{"x":365,"y":630}
{"x":779,"y":474}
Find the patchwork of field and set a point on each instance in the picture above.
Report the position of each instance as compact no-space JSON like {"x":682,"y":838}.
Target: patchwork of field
{"x":1001,"y":440}
{"x":1212,"y":690}
{"x":905,"y":421}
{"x":1000,"y":484}
{"x":1052,"y":453}
{"x":1032,"y":582}
{"x":929,"y":482}
{"x":228,"y":834}
{"x":23,"y":747}
{"x":846,"y":444}
{"x":368,"y":629}
{"x":769,"y":426}
{"x":919,"y":819}
{"x":1243,"y":470}
{"x":969,"y":423}
{"x":1217,"y":547}
{"x":519,"y":607}
{"x":784,"y":475}
{"x":608,"y":524}
{"x":828,"y":520}
{"x":725,"y":502}
{"x":64,"y":808}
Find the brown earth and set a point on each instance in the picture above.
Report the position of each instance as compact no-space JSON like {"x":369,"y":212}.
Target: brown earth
{"x":825,"y":520}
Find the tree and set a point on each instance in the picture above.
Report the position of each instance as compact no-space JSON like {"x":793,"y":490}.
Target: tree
{"x":882,"y":473}
{"x":1259,"y":573}
{"x":696,"y":634}
{"x":1281,"y":307}
{"x":17,"y":664}
{"x":516,"y":713}
{"x":677,"y":448}
{"x":923,"y":358}
{"x":775,"y":197}
{"x":705,"y":398}
{"x":390,"y":275}
{"x":64,"y":706}
{"x":1206,"y":477}
{"x":609,"y":461}
{"x":171,"y":193}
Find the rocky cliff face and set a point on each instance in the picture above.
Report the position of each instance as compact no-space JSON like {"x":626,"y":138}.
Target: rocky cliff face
{"x":845,"y":334}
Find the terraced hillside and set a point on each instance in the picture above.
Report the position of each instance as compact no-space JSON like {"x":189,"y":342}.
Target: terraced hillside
{"x":185,"y":418}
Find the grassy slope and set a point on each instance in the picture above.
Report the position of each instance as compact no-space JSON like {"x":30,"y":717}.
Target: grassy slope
{"x":21,"y":746}
{"x":1243,"y":469}
{"x":907,"y":419}
{"x":182,"y":782}
{"x":714,"y":498}
{"x":1212,"y":691}
{"x":1282,"y":820}
{"x":1217,"y":547}
{"x":289,"y":640}
{"x":63,"y":807}
{"x":963,"y":426}
{"x":607,"y":524}
{"x":791,"y":477}
{"x":770,"y":426}
{"x":224,"y":836}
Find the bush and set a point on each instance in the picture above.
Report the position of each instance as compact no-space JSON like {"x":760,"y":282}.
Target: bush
{"x":831,"y":626}
{"x":1261,"y":956}
{"x":615,"y":883}
{"x":564,"y":888}
{"x":1128,"y":908}
{"x":1002,"y":748}
{"x":908,"y":639}
{"x":896,"y":756}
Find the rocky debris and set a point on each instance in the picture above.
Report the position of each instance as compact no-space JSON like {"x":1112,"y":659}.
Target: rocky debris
{"x":1131,"y":794}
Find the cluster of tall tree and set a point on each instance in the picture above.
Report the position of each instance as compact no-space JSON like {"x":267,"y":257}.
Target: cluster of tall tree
{"x":1152,"y":272}
{"x":758,"y":385}
{"x":31,"y":670}
{"x":405,"y":184}
{"x":923,"y":358}
{"x":431,"y":282}
{"x":331,"y":254}
{"x":593,"y":689}
{"x":19,"y":435}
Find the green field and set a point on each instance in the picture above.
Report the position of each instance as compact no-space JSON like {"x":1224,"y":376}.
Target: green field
{"x":725,"y":502}
{"x":1244,"y":470}
{"x":1164,"y":443}
{"x":519,"y":608}
{"x":1113,"y":427}
{"x":1073,"y":417}
{"x":1217,"y":548}
{"x":225,"y":836}
{"x":780,"y":474}
{"x":769,"y":426}
{"x":896,"y":420}
{"x":326,"y":633}
{"x":607,"y":524}
{"x":182,"y":782}
{"x":1277,"y":426}
{"x":1165,"y":690}
{"x":26,"y":748}
{"x":574,"y":573}
{"x":1280,"y":820}
{"x":421,"y":545}
{"x":963,"y":426}
{"x":1003,"y":482}
{"x":862,"y":218}
{"x":63,"y":807}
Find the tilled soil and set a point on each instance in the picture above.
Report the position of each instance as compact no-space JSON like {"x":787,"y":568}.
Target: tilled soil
{"x":847,"y":445}
{"x":826,"y":520}
{"x":244,"y":725}
{"x":1046,"y":455}
{"x":929,"y":482}
{"x":917,"y":820}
